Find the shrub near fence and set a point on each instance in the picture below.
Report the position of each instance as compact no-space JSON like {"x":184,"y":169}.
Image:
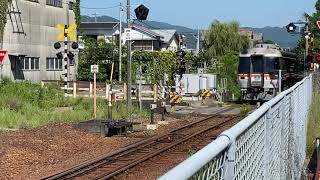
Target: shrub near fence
{"x":268,"y":144}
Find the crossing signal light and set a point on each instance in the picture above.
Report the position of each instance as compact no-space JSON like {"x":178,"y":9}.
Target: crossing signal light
{"x":74,"y":45}
{"x":291,"y":28}
{"x":70,"y":55}
{"x":317,"y":58}
{"x":141,"y":12}
{"x":59,"y":55}
{"x":57,"y":45}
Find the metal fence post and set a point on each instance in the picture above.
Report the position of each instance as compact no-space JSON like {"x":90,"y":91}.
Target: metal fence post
{"x":266,"y":157}
{"x":229,"y":166}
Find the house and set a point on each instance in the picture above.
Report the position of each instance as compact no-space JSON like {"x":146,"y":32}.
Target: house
{"x":145,"y":39}
{"x":29,"y":36}
{"x":171,"y":40}
{"x":109,"y":31}
{"x":154,"y":39}
{"x":254,"y":37}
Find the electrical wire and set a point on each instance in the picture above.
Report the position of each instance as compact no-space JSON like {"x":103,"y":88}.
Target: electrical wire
{"x":93,"y":8}
{"x":148,"y":25}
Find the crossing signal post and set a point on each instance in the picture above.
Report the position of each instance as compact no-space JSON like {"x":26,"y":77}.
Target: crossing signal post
{"x":181,"y":63}
{"x":66,"y":31}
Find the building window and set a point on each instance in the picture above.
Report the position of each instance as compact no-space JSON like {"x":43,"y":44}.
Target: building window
{"x":71,"y":5}
{"x":55,"y":3}
{"x":54,"y":64}
{"x":28,"y":63}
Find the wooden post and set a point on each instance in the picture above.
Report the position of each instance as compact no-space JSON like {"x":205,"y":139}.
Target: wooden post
{"x":74,"y":89}
{"x":107,"y":91}
{"x":154,"y":93}
{"x":125,"y":90}
{"x":95,"y":95}
{"x":90,"y":89}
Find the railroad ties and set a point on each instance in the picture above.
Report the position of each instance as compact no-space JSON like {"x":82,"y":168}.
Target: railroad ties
{"x":196,"y":134}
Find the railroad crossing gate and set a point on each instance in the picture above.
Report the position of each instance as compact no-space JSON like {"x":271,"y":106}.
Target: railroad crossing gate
{"x":205,"y":93}
{"x":175,"y":98}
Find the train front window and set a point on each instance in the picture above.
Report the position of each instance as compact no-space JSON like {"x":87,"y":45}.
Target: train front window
{"x":271,"y":64}
{"x":257,"y":64}
{"x":244,"y":65}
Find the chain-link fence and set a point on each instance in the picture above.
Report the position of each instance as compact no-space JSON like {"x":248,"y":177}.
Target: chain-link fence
{"x":268,"y":144}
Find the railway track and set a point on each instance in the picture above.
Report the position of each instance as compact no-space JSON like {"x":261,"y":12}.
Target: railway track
{"x":113,"y":164}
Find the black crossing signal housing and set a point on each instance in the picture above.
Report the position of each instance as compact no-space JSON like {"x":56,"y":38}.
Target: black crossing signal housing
{"x":291,"y":28}
{"x":57,"y":45}
{"x":74,"y":45}
{"x":59,"y":55}
{"x":70,"y":55}
{"x":141,"y":12}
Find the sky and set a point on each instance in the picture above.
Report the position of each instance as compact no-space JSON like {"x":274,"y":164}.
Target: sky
{"x":200,"y":13}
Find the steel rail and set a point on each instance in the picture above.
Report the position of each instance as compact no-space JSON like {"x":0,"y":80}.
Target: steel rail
{"x":109,"y":158}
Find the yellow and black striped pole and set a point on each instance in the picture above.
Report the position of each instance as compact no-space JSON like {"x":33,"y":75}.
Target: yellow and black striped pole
{"x":65,"y":60}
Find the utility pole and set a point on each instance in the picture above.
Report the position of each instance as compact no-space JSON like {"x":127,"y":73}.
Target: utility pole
{"x":120,"y":42}
{"x":307,"y":47}
{"x":129,"y":102}
{"x":198,"y":42}
{"x":95,"y":17}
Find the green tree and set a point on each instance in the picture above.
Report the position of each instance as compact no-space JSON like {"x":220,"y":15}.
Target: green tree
{"x":268,"y":42}
{"x":76,"y":10}
{"x":226,"y":67}
{"x":313,"y":28}
{"x":3,"y":18}
{"x":154,"y":65}
{"x":191,"y":62}
{"x":224,"y":37}
{"x":96,"y":52}
{"x":163,"y":63}
{"x":223,"y":42}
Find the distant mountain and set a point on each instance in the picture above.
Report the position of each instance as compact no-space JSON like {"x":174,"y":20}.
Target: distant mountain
{"x":279,"y":36}
{"x":98,"y":19}
{"x":276,"y":34}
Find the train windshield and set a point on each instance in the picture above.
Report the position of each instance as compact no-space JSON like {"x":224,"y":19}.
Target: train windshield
{"x":272,"y":64}
{"x":258,"y":64}
{"x":244,"y":65}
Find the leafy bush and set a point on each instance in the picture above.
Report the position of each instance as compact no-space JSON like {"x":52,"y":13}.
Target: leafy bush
{"x":27,"y":105}
{"x":244,"y":110}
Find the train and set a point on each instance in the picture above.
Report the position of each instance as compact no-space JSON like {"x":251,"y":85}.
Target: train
{"x":260,"y":69}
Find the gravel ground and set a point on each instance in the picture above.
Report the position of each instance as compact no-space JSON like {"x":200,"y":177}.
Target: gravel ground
{"x":30,"y":154}
{"x":159,"y":165}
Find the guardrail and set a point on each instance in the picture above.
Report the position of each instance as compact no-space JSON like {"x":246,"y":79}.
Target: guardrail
{"x":268,"y":144}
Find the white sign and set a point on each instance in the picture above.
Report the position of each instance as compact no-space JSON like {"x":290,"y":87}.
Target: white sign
{"x":127,"y":34}
{"x":80,"y":42}
{"x":94,"y":68}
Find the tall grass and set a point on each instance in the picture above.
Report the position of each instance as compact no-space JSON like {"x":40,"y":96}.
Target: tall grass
{"x":313,"y":124}
{"x":28,"y":105}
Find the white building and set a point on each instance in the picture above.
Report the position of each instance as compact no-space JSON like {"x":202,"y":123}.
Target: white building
{"x":154,"y":40}
{"x":29,"y":36}
{"x":171,"y":40}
